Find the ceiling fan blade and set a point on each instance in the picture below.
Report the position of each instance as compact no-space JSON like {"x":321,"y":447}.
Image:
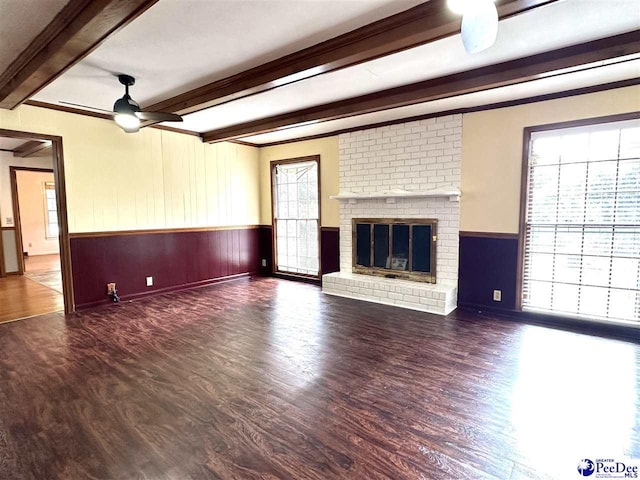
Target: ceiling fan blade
{"x":87,"y":106}
{"x":159,"y":116}
{"x":479,"y":26}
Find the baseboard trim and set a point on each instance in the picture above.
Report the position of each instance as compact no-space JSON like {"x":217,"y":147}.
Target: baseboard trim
{"x":572,"y":324}
{"x":297,"y":278}
{"x":160,"y":291}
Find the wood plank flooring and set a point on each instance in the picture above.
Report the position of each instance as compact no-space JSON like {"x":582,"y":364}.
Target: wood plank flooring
{"x":44,"y":269}
{"x":42,"y":263}
{"x":271,"y":379}
{"x":22,"y":297}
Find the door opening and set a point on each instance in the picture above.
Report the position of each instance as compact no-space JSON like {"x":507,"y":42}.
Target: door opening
{"x":48,"y":249}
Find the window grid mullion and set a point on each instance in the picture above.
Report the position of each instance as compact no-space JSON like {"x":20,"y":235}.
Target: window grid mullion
{"x":584,"y":221}
{"x":555,"y":235}
{"x":615,"y":218}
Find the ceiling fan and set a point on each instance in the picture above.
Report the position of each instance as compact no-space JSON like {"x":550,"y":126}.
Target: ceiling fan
{"x":127,"y":113}
{"x":479,"y":23}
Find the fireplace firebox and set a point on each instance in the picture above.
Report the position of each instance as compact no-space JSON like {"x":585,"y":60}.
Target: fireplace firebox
{"x":395,"y":248}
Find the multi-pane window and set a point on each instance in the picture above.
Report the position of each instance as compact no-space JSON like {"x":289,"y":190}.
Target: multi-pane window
{"x":582,"y":229}
{"x":296,"y":217}
{"x":51,"y":210}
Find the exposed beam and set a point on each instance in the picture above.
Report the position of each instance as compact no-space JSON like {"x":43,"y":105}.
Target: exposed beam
{"x":80,"y":27}
{"x":478,"y":108}
{"x":417,"y":26}
{"x":30,"y":148}
{"x":485,"y":78}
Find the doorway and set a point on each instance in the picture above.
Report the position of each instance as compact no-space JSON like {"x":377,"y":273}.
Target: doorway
{"x":36,"y":218}
{"x":35,"y":267}
{"x":296,"y":216}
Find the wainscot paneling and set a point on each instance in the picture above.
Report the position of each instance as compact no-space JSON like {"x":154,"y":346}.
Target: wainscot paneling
{"x":175,"y":259}
{"x":488,"y":262}
{"x":266,"y":249}
{"x":330,"y":249}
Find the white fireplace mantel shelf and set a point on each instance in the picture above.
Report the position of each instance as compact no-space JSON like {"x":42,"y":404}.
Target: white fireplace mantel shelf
{"x":391,"y":195}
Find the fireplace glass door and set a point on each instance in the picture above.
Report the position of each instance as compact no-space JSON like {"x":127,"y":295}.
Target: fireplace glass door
{"x":395,"y":248}
{"x":296,"y":219}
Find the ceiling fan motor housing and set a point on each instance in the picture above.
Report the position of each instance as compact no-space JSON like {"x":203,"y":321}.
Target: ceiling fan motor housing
{"x":126,"y":105}
{"x":126,"y":80}
{"x":128,"y":114}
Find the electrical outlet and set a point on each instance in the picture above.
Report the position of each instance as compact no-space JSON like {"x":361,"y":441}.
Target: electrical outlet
{"x":264,"y":262}
{"x":497,"y":295}
{"x":9,"y":220}
{"x":111,"y":287}
{"x":30,"y":245}
{"x":149,"y":281}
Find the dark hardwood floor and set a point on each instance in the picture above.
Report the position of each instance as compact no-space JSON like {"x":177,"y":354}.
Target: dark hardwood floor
{"x":271,"y":379}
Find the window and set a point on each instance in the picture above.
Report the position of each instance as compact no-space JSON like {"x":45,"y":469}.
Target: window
{"x":582,"y":222}
{"x":296,"y":219}
{"x":51,"y":210}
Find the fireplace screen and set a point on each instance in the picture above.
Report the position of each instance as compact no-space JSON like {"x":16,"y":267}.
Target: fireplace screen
{"x":395,"y":248}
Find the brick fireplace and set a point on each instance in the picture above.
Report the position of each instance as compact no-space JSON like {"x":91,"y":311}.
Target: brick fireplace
{"x":405,"y":171}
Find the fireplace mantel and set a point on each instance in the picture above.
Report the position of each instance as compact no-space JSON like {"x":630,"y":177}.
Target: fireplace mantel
{"x":391,"y":195}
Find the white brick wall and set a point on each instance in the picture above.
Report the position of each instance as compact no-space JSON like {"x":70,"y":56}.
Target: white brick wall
{"x":414,"y":156}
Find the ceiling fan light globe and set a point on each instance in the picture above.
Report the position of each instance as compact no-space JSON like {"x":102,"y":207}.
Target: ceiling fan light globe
{"x":480,"y":26}
{"x":128,"y":121}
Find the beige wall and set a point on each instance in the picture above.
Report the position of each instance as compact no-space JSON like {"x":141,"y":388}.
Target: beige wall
{"x":327,"y":148}
{"x":158,"y":179}
{"x":8,"y":160}
{"x":151,"y":179}
{"x":31,"y":200}
{"x":492,"y":152}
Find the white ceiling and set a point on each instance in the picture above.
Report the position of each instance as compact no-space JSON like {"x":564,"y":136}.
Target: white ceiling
{"x":178,"y":45}
{"x":540,"y":30}
{"x":20,"y":22}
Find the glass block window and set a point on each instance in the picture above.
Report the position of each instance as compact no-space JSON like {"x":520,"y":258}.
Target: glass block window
{"x":296,"y":217}
{"x":582,"y":226}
